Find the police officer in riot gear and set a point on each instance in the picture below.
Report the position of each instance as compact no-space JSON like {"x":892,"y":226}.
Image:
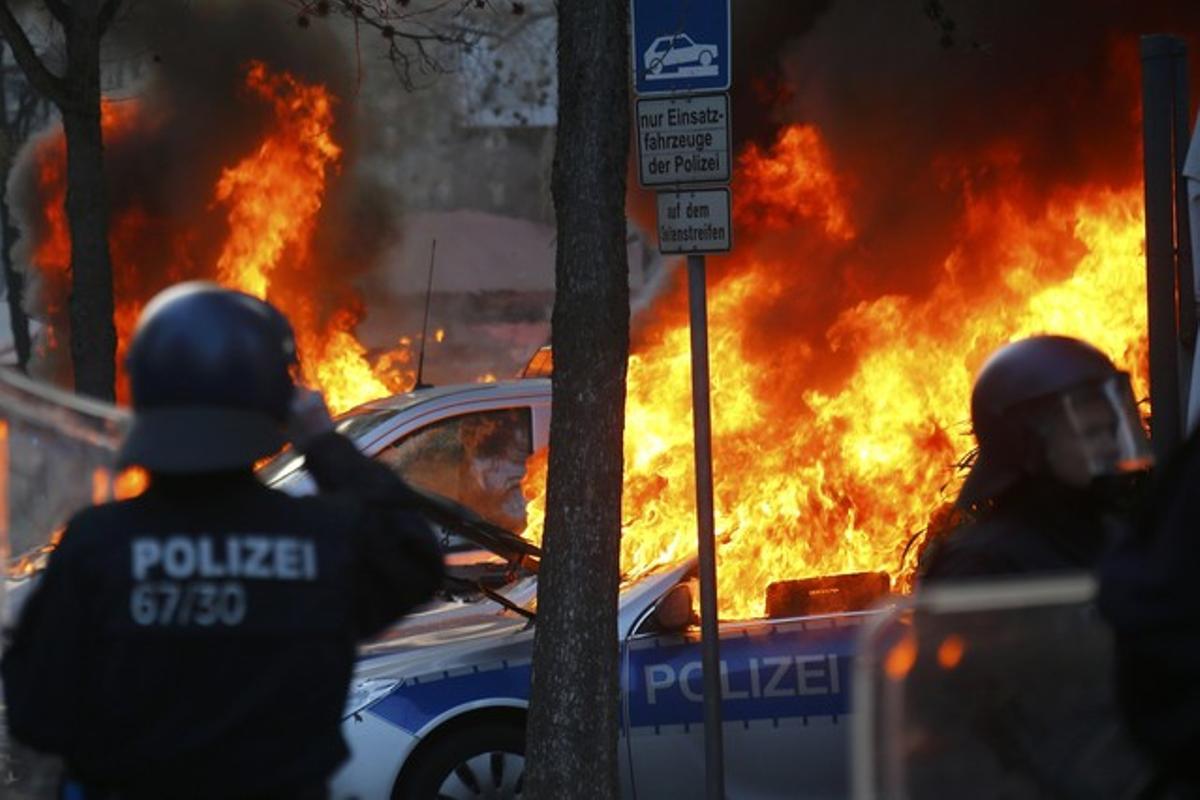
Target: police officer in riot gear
{"x":1060,"y":446}
{"x":1148,"y":594}
{"x":198,"y":640}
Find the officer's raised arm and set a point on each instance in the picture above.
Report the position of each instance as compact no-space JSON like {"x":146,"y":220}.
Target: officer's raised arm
{"x":398,"y":561}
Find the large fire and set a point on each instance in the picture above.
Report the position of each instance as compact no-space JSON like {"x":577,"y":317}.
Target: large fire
{"x":833,"y":473}
{"x":839,"y":480}
{"x":270,"y":201}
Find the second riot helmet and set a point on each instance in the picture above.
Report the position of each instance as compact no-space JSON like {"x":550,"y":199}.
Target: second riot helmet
{"x":1044,"y":384}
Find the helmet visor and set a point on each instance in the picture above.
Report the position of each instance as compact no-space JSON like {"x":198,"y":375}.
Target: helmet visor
{"x":1104,"y":423}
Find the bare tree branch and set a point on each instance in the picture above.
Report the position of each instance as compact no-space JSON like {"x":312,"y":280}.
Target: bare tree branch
{"x":39,"y":76}
{"x":419,"y":34}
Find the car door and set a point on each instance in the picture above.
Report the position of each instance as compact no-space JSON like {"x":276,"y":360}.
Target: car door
{"x":785,"y":700}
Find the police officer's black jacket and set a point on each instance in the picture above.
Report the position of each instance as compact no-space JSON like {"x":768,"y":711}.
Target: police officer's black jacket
{"x":198,"y":641}
{"x":1034,"y":528}
{"x":1150,"y":594}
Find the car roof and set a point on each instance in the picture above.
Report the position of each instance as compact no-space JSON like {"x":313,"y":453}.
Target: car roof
{"x":509,"y":388}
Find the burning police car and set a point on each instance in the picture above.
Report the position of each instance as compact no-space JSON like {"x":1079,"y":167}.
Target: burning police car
{"x":438,"y":704}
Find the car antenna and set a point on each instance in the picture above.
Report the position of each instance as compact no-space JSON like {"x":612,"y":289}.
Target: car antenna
{"x":420,"y":384}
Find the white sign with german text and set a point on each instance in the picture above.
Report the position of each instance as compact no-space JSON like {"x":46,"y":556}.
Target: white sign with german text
{"x":694,"y":222}
{"x":683,"y":139}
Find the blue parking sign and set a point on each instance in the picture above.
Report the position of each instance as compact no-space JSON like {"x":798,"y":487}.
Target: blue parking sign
{"x":680,"y":46}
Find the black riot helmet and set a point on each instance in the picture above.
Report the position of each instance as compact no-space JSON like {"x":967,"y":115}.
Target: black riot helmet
{"x":1032,"y":395}
{"x":210,"y":373}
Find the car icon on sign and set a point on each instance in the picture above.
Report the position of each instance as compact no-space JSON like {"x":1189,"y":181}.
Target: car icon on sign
{"x":680,"y":54}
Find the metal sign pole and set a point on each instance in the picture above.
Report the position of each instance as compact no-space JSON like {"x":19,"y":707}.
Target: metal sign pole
{"x":714,"y":750}
{"x":1185,"y":295}
{"x":684,"y":138}
{"x":1158,"y":107}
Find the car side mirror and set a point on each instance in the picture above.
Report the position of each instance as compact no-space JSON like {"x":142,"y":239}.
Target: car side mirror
{"x":674,"y":611}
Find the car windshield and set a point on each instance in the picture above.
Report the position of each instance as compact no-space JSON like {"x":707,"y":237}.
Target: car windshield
{"x":476,"y":459}
{"x":352,"y":425}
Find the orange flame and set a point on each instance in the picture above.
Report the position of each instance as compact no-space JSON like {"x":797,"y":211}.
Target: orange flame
{"x":274,"y":194}
{"x":794,"y":183}
{"x":101,"y":484}
{"x":273,"y":197}
{"x":130,"y":483}
{"x":840,"y":478}
{"x":270,"y":200}
{"x":901,"y":658}
{"x":950,"y":651}
{"x":34,"y":560}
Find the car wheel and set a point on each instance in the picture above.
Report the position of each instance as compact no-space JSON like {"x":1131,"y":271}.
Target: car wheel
{"x":487,"y":761}
{"x":706,"y":58}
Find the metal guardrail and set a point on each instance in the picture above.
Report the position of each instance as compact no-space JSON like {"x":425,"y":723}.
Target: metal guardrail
{"x":56,"y":456}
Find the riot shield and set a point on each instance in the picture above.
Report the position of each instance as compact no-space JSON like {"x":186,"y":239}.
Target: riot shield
{"x":56,"y":456}
{"x":992,"y":690}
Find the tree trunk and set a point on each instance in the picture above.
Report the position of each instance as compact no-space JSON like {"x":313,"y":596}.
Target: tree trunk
{"x":93,"y":336}
{"x":14,"y":282}
{"x":572,"y":728}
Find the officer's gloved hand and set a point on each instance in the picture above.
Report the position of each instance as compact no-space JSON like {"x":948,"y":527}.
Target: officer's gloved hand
{"x":308,"y":418}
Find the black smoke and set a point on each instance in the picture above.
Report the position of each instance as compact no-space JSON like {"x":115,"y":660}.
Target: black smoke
{"x":179,"y":69}
{"x":924,"y":106}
